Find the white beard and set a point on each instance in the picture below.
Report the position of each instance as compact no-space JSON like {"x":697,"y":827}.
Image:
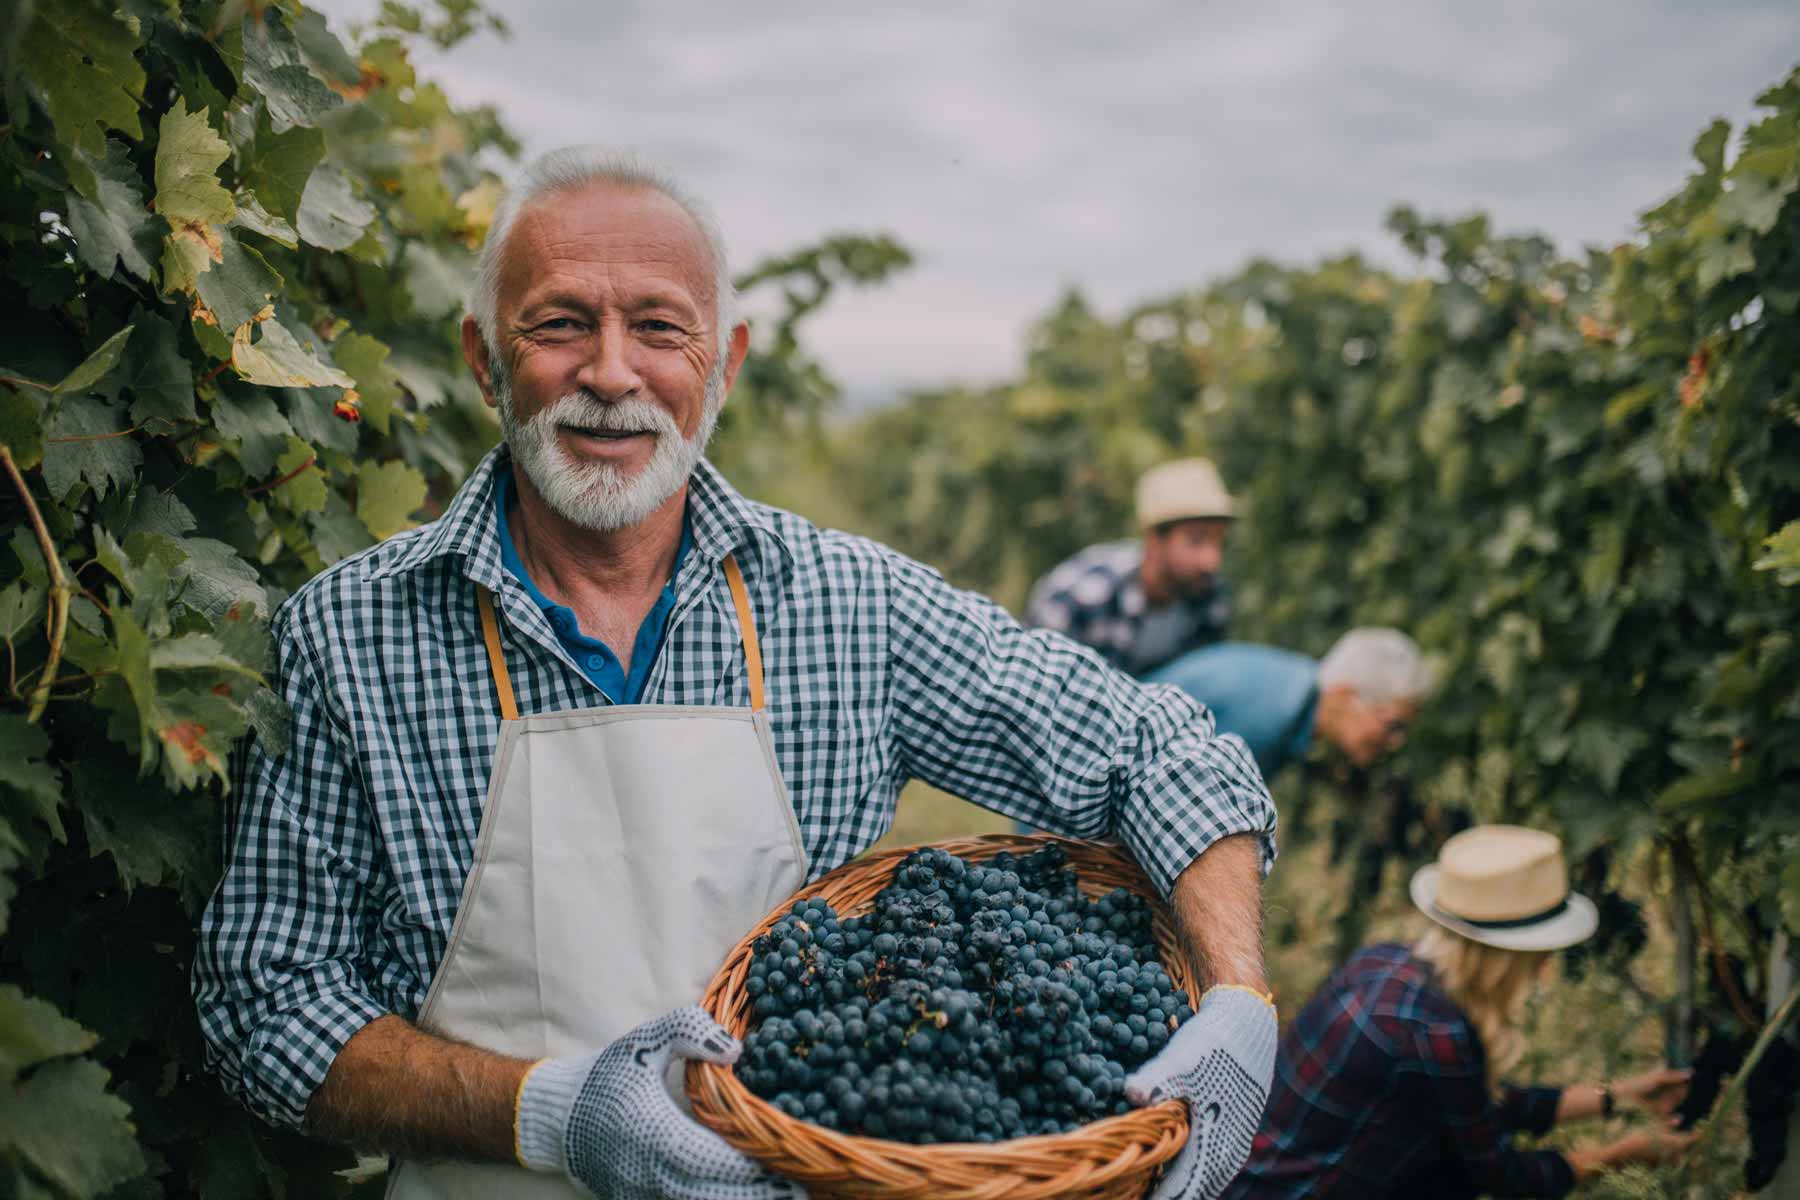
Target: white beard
{"x":599,"y":496}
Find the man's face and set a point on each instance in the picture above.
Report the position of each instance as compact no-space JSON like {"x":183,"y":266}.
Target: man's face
{"x":1190,"y":553}
{"x":1371,"y":730}
{"x":609,"y":374}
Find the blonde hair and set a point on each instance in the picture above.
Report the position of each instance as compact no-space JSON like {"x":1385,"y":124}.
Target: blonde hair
{"x":1490,"y":985}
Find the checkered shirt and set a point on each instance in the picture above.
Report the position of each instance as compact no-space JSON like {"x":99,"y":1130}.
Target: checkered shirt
{"x":346,"y":855}
{"x":1097,"y":598}
{"x":1381,"y":1090}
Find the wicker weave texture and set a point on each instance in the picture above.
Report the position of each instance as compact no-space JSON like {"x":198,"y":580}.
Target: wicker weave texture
{"x":1117,"y":1157}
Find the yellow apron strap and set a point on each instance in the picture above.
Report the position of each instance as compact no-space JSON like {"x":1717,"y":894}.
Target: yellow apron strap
{"x":747,"y":628}
{"x":490,"y":633}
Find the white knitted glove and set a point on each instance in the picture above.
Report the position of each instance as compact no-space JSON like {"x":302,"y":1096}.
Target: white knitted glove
{"x":609,"y":1122}
{"x":1221,"y":1062}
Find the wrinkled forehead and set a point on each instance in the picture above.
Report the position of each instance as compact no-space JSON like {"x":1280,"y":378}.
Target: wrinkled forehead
{"x":607,"y":230}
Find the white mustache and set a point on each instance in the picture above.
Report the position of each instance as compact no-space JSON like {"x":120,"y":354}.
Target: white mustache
{"x":582,"y":411}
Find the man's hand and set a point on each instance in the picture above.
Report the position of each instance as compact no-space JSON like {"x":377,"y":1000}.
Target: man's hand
{"x":609,"y":1123}
{"x":1221,"y":1062}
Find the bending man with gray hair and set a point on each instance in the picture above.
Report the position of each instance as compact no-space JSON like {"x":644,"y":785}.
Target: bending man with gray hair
{"x":554,"y":753}
{"x":1359,"y":698}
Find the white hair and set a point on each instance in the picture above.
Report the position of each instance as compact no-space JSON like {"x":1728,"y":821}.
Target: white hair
{"x":1383,"y":666}
{"x":582,"y":166}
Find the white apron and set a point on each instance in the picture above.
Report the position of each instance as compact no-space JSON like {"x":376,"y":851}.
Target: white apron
{"x":623,"y":851}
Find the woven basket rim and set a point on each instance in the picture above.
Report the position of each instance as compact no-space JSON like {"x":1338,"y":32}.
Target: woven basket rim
{"x":1116,"y":1155}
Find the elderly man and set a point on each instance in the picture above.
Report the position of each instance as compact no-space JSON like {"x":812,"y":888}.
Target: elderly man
{"x":556,"y":751}
{"x":1358,"y":699}
{"x":1139,"y":603}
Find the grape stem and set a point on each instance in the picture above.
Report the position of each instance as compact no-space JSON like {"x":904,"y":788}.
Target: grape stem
{"x":60,"y":588}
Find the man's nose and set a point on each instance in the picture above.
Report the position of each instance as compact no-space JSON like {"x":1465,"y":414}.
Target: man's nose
{"x":607,"y":371}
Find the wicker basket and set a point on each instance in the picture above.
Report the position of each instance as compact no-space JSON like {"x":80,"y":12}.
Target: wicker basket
{"x":1114,"y":1157}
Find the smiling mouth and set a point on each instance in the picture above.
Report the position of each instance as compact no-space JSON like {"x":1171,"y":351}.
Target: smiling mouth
{"x":605,"y":435}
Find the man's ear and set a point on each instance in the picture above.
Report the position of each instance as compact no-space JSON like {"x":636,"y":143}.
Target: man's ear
{"x":736,"y":353}
{"x":475,"y":353}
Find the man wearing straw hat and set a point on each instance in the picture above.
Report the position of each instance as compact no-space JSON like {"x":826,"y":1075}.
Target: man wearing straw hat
{"x":554,"y":753}
{"x":1142,"y":602}
{"x":1387,"y":1083}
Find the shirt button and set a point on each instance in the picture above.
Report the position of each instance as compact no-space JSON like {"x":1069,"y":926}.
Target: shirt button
{"x":564,"y":620}
{"x":595,"y":662}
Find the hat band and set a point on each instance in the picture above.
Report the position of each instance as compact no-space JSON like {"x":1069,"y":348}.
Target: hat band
{"x":1555,"y":910}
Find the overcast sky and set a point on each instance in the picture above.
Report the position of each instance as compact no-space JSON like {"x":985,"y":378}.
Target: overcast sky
{"x":1130,"y":148}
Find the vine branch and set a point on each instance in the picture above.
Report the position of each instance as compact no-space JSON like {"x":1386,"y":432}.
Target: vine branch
{"x":60,"y":588}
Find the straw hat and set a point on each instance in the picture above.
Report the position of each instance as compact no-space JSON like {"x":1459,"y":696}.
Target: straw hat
{"x":1181,"y":490}
{"x":1505,"y":886}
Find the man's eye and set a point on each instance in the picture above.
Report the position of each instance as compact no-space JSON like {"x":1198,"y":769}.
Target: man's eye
{"x":653,"y":325}
{"x":556,"y":324}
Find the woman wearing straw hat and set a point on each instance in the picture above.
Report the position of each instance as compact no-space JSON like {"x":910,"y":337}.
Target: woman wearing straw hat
{"x":1386,"y":1083}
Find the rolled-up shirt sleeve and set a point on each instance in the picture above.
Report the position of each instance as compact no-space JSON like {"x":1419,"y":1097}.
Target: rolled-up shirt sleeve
{"x":281,"y":976}
{"x":1032,"y":725}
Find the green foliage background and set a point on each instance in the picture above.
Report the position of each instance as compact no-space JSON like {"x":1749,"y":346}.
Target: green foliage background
{"x":233,"y":253}
{"x":1574,"y":479}
{"x":234,"y":250}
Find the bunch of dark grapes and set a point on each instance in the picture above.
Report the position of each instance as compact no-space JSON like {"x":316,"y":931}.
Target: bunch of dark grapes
{"x":975,"y":1002}
{"x":1620,"y":936}
{"x":1769,"y":1096}
{"x":1713,"y":1068}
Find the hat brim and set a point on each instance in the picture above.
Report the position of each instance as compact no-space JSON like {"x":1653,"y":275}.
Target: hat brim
{"x":1575,"y":922}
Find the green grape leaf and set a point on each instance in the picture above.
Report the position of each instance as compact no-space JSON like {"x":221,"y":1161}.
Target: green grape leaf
{"x":157,"y":513}
{"x":256,"y":425}
{"x":238,"y":290}
{"x":331,"y":216}
{"x":1755,"y":200}
{"x":1783,"y":554}
{"x":215,"y":580}
{"x":12,"y":852}
{"x":1602,"y":748}
{"x":22,"y":424}
{"x":197,"y":652}
{"x":303,"y":487}
{"x":23,"y":746}
{"x":252,"y":216}
{"x":196,"y":729}
{"x":157,"y":374}
{"x":435,"y":280}
{"x":95,"y":367}
{"x":72,"y":1131}
{"x":114,"y":229}
{"x":272,"y":720}
{"x":278,"y":360}
{"x":337,"y":532}
{"x":188,"y":193}
{"x":32,"y":1032}
{"x":274,"y":66}
{"x":21,"y":608}
{"x":81,"y":59}
{"x":1721,"y":259}
{"x":87,"y":442}
{"x":387,"y":494}
{"x":365,"y":359}
{"x":279,"y":167}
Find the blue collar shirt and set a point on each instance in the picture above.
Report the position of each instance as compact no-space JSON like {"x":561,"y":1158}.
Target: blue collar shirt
{"x":593,"y":656}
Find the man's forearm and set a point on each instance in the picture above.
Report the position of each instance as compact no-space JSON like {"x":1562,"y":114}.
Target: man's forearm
{"x":1217,"y":902}
{"x":398,"y":1090}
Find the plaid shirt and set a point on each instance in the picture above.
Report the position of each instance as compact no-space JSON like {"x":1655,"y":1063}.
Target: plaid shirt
{"x":1381,"y":1090}
{"x":346,"y":854}
{"x":1097,"y":598}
